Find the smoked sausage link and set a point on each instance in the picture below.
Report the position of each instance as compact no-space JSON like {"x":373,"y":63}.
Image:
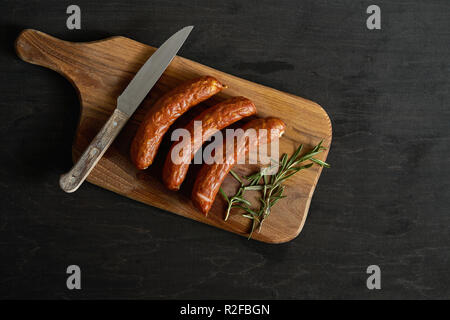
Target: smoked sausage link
{"x":211,"y":121}
{"x":211,"y":176}
{"x":164,"y":112}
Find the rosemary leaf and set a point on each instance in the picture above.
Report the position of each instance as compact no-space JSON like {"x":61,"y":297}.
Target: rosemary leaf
{"x":242,"y":200}
{"x":320,"y":162}
{"x":253,"y":188}
{"x":236,"y":176}
{"x":295,"y":155}
{"x":224,"y":195}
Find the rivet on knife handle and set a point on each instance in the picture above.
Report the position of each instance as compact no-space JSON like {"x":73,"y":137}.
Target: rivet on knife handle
{"x":70,"y":181}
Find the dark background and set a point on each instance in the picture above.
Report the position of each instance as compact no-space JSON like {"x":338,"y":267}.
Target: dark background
{"x":385,"y":201}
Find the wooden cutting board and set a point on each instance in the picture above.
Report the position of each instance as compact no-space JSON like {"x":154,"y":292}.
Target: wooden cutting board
{"x":101,"y":70}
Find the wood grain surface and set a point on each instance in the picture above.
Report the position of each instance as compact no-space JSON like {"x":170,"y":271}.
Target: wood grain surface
{"x":100,"y":71}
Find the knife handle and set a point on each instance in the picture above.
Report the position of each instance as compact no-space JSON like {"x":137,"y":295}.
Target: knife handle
{"x":71,"y":180}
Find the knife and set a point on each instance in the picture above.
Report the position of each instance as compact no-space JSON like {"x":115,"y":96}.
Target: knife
{"x":127,"y":103}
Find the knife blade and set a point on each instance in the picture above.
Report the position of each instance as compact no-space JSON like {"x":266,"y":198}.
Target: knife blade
{"x":127,"y":103}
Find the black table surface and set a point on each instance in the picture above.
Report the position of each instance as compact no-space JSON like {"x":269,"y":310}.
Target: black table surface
{"x":384,"y":202}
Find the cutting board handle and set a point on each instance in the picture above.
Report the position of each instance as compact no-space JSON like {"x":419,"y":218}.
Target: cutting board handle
{"x":77,"y":61}
{"x":65,"y":57}
{"x":39,"y":48}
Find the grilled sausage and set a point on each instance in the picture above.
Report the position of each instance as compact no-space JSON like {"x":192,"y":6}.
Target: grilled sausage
{"x":210,"y":177}
{"x":164,"y":112}
{"x":211,"y":120}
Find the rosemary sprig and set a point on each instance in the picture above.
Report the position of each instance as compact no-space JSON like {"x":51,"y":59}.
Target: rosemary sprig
{"x":271,"y":188}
